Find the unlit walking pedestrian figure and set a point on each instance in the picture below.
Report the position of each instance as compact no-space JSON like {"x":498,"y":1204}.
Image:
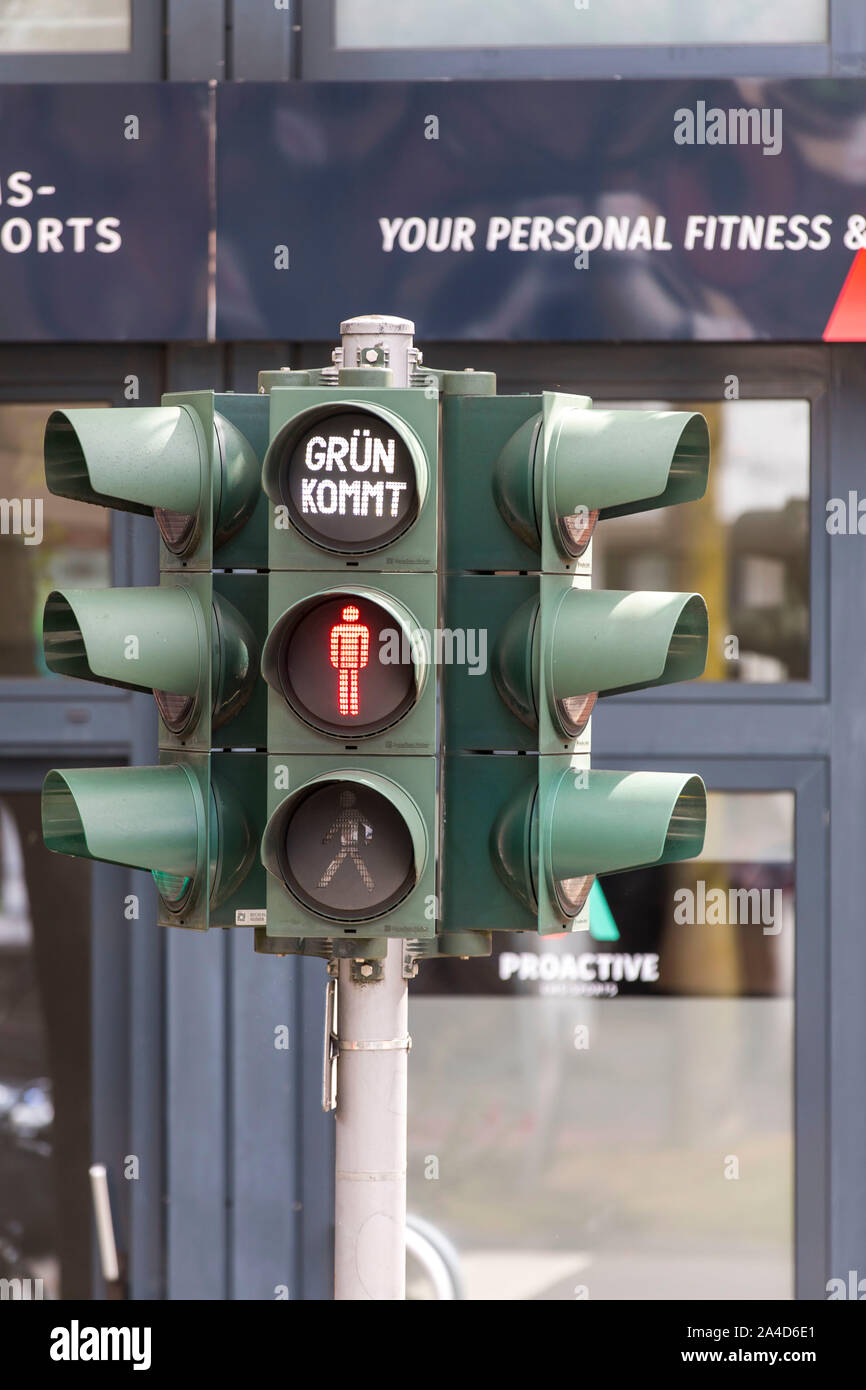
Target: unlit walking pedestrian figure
{"x":348,"y":827}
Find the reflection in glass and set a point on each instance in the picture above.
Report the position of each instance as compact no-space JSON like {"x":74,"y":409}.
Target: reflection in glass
{"x":365,"y":24}
{"x":744,"y":546}
{"x":79,"y":26}
{"x":613,"y":1112}
{"x":574,"y":712}
{"x":176,"y":528}
{"x":576,"y":530}
{"x":49,"y":542}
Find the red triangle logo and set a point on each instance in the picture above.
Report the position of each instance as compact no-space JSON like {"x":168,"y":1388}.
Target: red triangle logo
{"x":847,"y":323}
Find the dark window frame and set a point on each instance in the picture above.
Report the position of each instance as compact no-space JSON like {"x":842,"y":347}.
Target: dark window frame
{"x":321,"y":60}
{"x":143,"y":61}
{"x":808,"y":779}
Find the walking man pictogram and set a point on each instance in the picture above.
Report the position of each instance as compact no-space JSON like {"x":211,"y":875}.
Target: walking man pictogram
{"x":350,"y":652}
{"x":353,"y":831}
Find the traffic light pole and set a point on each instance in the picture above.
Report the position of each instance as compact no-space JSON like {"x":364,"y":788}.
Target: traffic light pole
{"x":372,"y":1071}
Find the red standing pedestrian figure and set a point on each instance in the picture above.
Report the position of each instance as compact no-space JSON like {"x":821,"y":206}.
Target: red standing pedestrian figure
{"x":350,"y":651}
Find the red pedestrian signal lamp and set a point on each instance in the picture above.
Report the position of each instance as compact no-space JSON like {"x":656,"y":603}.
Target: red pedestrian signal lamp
{"x":350,"y":652}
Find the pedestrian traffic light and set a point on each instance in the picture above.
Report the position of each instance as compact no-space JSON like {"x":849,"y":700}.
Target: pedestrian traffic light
{"x":323,"y":664}
{"x":527,"y":825}
{"x":351,"y":472}
{"x":308,"y":778}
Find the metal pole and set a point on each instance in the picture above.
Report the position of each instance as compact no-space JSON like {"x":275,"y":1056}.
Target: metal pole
{"x":372,"y":1070}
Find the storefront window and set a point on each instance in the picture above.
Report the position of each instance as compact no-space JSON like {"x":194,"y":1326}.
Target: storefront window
{"x":80,"y":26}
{"x":44,"y":1060}
{"x":46,"y":542}
{"x":377,"y":24}
{"x":744,"y":546}
{"x":609,"y":1115}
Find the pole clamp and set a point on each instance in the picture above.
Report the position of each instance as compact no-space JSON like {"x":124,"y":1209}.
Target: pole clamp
{"x":332,"y":1048}
{"x":334,"y":1045}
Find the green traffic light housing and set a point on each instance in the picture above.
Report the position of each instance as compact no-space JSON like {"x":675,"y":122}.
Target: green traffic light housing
{"x":608,"y":463}
{"x":530,"y":476}
{"x":328,"y":843}
{"x":193,"y":642}
{"x":182,"y":462}
{"x":193,"y":824}
{"x":555,"y":826}
{"x":612,"y":642}
{"x":606,"y":822}
{"x":553,"y":646}
{"x":526,"y":481}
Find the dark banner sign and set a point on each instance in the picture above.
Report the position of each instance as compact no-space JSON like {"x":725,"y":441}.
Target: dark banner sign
{"x":544,"y":210}
{"x":104,"y":212}
{"x":482,"y":210}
